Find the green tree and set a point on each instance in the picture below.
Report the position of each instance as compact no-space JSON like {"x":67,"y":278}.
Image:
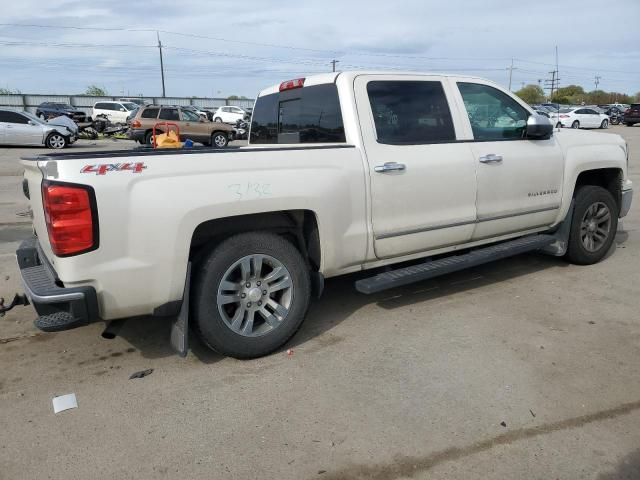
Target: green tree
{"x":8,"y":91}
{"x":96,"y":91}
{"x":531,"y":94}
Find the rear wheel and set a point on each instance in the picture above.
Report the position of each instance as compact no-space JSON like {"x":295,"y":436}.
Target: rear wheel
{"x":604,"y":124}
{"x":558,"y":125}
{"x":575,"y":124}
{"x":251,"y":294}
{"x":148,"y":139}
{"x":219,"y":139}
{"x":593,"y":226}
{"x":629,"y":124}
{"x":56,"y":141}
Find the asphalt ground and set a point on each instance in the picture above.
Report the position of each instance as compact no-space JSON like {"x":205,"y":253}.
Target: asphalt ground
{"x":526,"y":368}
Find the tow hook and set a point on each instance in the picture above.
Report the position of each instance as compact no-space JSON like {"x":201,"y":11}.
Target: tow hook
{"x":17,"y":300}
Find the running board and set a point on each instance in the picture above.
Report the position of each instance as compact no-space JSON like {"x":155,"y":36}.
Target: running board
{"x":435,"y":268}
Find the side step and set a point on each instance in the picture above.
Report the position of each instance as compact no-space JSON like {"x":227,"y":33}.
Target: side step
{"x":58,"y":321}
{"x":435,"y":268}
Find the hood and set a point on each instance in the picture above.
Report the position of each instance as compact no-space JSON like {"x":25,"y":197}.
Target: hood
{"x":65,"y":122}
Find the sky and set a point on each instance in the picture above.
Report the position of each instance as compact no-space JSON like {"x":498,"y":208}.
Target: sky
{"x":214,"y":48}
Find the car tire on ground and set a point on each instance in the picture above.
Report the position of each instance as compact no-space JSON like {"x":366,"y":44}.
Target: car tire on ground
{"x":575,"y":124}
{"x":593,"y":226}
{"x":219,"y":140}
{"x":56,"y":141}
{"x":604,"y":124}
{"x":148,"y":138}
{"x":250,"y":295}
{"x":217,"y":119}
{"x":41,"y":116}
{"x":558,"y":125}
{"x":629,"y":124}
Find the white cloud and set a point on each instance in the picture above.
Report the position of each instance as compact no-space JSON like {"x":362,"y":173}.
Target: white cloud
{"x":479,"y":37}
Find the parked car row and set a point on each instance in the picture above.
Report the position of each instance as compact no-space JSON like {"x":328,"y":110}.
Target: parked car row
{"x":590,"y":116}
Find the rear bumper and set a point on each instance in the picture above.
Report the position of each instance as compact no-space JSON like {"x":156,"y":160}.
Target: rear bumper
{"x":631,"y":119}
{"x":135,"y":134}
{"x":58,"y":307}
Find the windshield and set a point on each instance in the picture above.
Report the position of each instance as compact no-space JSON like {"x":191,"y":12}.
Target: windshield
{"x":130,"y":106}
{"x":566,"y":110}
{"x":33,"y":118}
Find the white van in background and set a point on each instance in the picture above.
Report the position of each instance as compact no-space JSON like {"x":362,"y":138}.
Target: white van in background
{"x":116,"y":112}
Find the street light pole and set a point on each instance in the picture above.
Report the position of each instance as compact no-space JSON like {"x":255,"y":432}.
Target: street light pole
{"x":161,"y":64}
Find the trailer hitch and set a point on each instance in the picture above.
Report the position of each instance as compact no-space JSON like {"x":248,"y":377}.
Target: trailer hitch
{"x":17,"y":300}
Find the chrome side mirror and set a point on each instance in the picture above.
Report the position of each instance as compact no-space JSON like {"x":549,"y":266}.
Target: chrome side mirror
{"x":539,"y":127}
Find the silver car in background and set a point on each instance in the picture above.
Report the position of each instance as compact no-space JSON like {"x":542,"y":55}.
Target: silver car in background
{"x":24,"y":128}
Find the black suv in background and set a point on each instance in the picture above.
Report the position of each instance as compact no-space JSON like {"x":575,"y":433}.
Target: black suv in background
{"x":632,"y":115}
{"x":48,"y":110}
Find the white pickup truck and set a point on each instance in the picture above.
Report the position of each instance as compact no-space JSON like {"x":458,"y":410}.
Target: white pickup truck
{"x":344,"y":172}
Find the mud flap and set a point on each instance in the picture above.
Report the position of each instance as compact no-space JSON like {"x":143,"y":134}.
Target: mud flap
{"x":559,"y":247}
{"x":180,"y":326}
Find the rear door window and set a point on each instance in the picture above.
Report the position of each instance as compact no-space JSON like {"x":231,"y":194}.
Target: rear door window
{"x":169,"y":114}
{"x":410,"y":112}
{"x":149,"y":113}
{"x":302,"y":115}
{"x":13,"y":117}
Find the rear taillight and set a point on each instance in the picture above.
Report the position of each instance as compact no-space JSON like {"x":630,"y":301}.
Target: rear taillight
{"x":71,"y":217}
{"x":136,"y":124}
{"x":564,"y":116}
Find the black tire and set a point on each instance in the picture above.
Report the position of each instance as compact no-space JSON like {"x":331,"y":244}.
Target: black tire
{"x":615,"y":121}
{"x":219,"y":140}
{"x":604,"y":124}
{"x":217,"y":119}
{"x":207,"y":320}
{"x":148,"y":139}
{"x":558,"y":125}
{"x":586,"y":197}
{"x":629,"y":124}
{"x":41,"y":116}
{"x":575,"y":124}
{"x":57,"y":141}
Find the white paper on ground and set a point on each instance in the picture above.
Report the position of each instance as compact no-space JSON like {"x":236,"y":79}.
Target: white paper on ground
{"x":64,"y":402}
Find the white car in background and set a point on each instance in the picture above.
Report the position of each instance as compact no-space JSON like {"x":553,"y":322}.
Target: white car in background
{"x":580,"y":117}
{"x":229,"y":114}
{"x":116,"y":112}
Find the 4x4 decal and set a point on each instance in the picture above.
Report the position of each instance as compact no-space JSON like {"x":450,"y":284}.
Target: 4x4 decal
{"x":104,"y":168}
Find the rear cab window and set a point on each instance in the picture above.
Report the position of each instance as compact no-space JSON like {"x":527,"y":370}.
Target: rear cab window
{"x":150,"y":113}
{"x":301,"y":115}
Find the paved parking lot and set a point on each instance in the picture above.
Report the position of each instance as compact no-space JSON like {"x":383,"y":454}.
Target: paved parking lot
{"x":524,"y":369}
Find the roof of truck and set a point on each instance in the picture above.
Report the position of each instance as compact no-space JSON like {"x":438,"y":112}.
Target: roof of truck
{"x":332,"y":77}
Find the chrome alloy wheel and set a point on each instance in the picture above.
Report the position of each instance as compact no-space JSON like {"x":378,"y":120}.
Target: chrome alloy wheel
{"x":255,"y":295}
{"x":595,"y":227}
{"x":56,"y":141}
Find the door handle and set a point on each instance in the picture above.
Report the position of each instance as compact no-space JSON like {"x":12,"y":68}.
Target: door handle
{"x":491,"y":158}
{"x":390,"y":167}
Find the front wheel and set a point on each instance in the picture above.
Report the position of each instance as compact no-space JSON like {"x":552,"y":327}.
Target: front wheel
{"x":56,"y":141}
{"x":217,"y":119}
{"x":219,"y":140}
{"x":604,"y":124}
{"x":615,"y":121}
{"x":593,"y":226}
{"x":251,"y":294}
{"x":575,"y":124}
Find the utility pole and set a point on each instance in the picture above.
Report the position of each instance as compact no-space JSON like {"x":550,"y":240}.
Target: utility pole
{"x":161,"y":64}
{"x":552,"y":85}
{"x":510,"y":74}
{"x":333,"y":63}
{"x":597,"y":81}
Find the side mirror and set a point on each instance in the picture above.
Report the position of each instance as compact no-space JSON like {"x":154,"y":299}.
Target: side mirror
{"x":539,"y":127}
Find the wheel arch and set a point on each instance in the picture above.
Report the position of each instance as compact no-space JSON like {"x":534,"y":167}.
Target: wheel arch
{"x":299,"y":226}
{"x":608,"y":178}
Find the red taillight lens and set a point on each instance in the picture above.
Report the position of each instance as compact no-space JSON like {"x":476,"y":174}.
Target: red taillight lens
{"x":70,"y":218}
{"x":564,"y":116}
{"x":291,"y":84}
{"x":136,"y":124}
